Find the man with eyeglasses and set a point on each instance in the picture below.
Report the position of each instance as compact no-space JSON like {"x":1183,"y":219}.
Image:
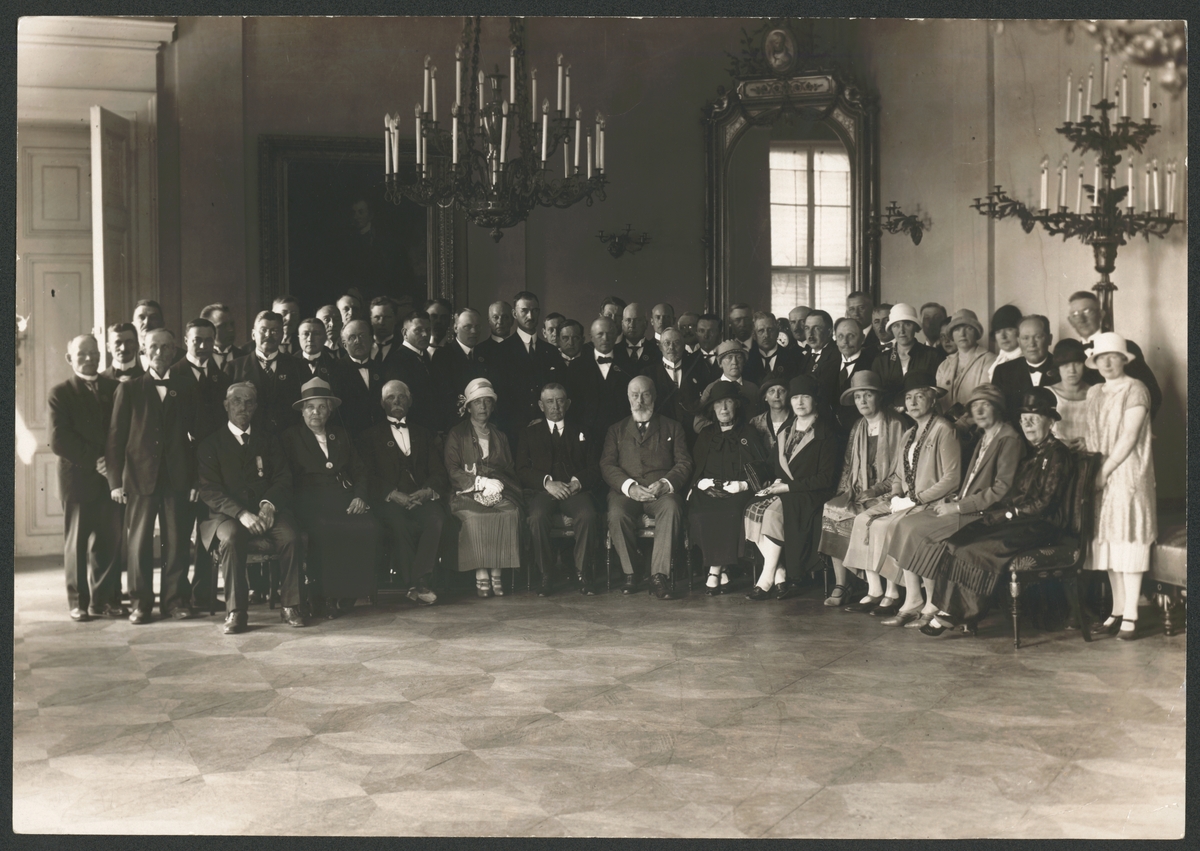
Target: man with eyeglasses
{"x":1083,"y":312}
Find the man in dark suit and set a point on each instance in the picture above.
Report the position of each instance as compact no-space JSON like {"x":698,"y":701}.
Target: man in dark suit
{"x":358,"y":381}
{"x":151,"y":466}
{"x":407,"y":488}
{"x":80,"y":413}
{"x":860,"y":307}
{"x":458,"y":363}
{"x":386,"y":344}
{"x":208,"y":384}
{"x":848,"y":337}
{"x":225,"y":351}
{"x":1085,"y":315}
{"x":559,"y":469}
{"x":709,"y":333}
{"x":277,"y":377}
{"x":331,"y":318}
{"x":317,"y":358}
{"x":1035,"y":367}
{"x":525,"y":364}
{"x":246,"y":484}
{"x":767,"y":357}
{"x":288,"y":307}
{"x":122,"y":344}
{"x":599,"y":383}
{"x":677,"y":381}
{"x":824,"y":360}
{"x":646,"y":465}
{"x":636,"y":354}
{"x":413,"y":367}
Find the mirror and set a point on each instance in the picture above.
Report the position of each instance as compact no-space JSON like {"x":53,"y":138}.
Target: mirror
{"x":791,"y":156}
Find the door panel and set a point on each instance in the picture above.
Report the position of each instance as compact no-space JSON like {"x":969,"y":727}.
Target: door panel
{"x":112,"y":239}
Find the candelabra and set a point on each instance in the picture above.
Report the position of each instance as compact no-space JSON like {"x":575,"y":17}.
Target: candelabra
{"x":894,"y":221}
{"x":472,"y":167}
{"x":1105,"y":225}
{"x":620,"y":242}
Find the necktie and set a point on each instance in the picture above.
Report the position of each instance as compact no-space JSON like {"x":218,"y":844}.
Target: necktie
{"x":604,"y":359}
{"x":642,"y":429}
{"x":243,"y":438}
{"x":529,"y":348}
{"x":267,"y":365}
{"x":425,"y":358}
{"x":397,"y":423}
{"x":674,"y":370}
{"x":91,"y":385}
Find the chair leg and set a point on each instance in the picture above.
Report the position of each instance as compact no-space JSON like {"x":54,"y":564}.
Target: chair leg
{"x":1084,"y":623}
{"x":1166,"y":602}
{"x":608,"y":561}
{"x":273,"y":582}
{"x":212,"y":588}
{"x":1014,"y":587}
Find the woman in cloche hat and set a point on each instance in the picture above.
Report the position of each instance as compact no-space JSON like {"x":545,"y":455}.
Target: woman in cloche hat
{"x":1118,"y":427}
{"x":871,"y":451}
{"x":969,"y":365}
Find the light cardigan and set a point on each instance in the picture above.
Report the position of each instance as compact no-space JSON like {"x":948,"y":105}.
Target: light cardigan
{"x":938,"y":468}
{"x":961,"y":382}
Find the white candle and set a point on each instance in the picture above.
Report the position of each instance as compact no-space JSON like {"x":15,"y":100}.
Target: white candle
{"x":1157,"y":205}
{"x":1124,"y":93}
{"x":1096,"y":184}
{"x":1146,"y":200}
{"x":454,"y":134}
{"x":1171,"y":169}
{"x":1146,"y":97}
{"x":1079,"y":192}
{"x":417,"y":136}
{"x":387,"y":143}
{"x":396,"y":143}
{"x":504,"y":132}
{"x":578,"y":136}
{"x":1068,"y":99}
{"x":433,"y":84}
{"x":481,"y":79}
{"x":603,"y":148}
{"x":1062,"y":184}
{"x":566,"y":161}
{"x":512,"y":75}
{"x":458,"y":73}
{"x":1091,"y":70}
{"x":1079,"y":104}
{"x":567,"y":101}
{"x":545,"y":128}
{"x":424,"y":155}
{"x":1104,"y":76}
{"x":1045,"y":180}
{"x":426,"y":88}
{"x":1129,"y":182}
{"x":589,"y":156}
{"x":533,"y":100}
{"x":558,"y":103}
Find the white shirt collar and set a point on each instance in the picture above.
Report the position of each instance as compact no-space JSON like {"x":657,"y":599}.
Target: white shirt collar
{"x":1042,"y":362}
{"x":731,"y":380}
{"x":309,"y":357}
{"x":150,"y":371}
{"x":258,"y":353}
{"x":466,"y":349}
{"x":854,"y":359}
{"x":498,"y":338}
{"x":770,"y":354}
{"x":556,"y":426}
{"x":235,"y":431}
{"x":670,"y":365}
{"x":599,"y":354}
{"x":525,"y":338}
{"x":691,"y":349}
{"x":413,"y":348}
{"x":199,"y":366}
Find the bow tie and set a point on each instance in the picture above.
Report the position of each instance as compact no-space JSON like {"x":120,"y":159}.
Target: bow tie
{"x":604,"y":359}
{"x":397,"y":423}
{"x":129,"y":371}
{"x":160,"y":382}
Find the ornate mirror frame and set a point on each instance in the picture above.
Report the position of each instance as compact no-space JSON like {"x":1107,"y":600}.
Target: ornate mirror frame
{"x":446,"y":243}
{"x":829,"y":97}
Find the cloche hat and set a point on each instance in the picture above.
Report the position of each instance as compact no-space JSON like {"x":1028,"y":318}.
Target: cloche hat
{"x":1108,"y":342}
{"x":864,"y":380}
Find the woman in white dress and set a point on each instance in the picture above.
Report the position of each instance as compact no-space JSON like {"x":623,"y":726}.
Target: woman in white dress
{"x":1118,"y":427}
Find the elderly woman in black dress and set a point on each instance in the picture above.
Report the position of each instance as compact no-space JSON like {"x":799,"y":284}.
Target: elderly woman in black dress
{"x":725,"y":454}
{"x":488,"y":497}
{"x":330,"y":486}
{"x":872,"y":448}
{"x":967,"y":566}
{"x":786,"y":520}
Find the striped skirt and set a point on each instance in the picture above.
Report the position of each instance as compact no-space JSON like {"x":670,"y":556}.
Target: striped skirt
{"x":490,"y":537}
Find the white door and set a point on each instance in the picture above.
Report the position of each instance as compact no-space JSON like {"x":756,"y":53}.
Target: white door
{"x":112,"y":147}
{"x":54,"y":294}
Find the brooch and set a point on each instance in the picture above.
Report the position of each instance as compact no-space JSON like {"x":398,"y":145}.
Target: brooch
{"x":332,"y":435}
{"x":374,"y":377}
{"x":743,"y":441}
{"x":281,"y":376}
{"x":328,"y":465}
{"x":392,"y":443}
{"x":170,"y":392}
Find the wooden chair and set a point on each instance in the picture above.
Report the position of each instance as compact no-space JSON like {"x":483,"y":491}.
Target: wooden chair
{"x":1065,"y":559}
{"x":645,"y":530}
{"x":260,"y":550}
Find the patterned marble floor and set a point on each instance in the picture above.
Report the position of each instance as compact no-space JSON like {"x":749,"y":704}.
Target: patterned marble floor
{"x":606,"y":716}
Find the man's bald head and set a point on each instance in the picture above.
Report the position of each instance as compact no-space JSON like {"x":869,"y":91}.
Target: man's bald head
{"x":500,"y":318}
{"x":633,"y":322}
{"x":604,"y":334}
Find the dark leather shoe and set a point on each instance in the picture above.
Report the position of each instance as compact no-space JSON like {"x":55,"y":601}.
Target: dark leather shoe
{"x":182,"y":613}
{"x":1130,"y":634}
{"x":110,"y":611}
{"x":235,"y":622}
{"x":930,"y":629}
{"x":1099,"y":629}
{"x":660,"y":587}
{"x":585,"y":585}
{"x":758,"y":594}
{"x":630,"y":583}
{"x":291,"y":616}
{"x":257,"y":598}
{"x":81,"y":615}
{"x":863,"y":607}
{"x":138,"y":616}
{"x":544,"y":588}
{"x":887,"y":610}
{"x":784,"y":590}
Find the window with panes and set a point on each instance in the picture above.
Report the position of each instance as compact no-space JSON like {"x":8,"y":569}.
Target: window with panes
{"x":810,"y":226}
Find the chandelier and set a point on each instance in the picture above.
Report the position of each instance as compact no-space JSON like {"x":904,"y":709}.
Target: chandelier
{"x":1115,"y":212}
{"x":495,"y":162}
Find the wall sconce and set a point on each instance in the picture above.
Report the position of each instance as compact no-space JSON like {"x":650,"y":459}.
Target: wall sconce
{"x":619,"y":243}
{"x":894,"y":221}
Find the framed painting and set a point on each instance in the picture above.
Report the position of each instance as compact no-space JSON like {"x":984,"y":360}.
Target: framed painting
{"x":327,"y":229}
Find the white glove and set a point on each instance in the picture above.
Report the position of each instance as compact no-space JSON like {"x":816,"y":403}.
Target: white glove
{"x":704,"y":484}
{"x":491,"y":487}
{"x":899,"y":503}
{"x":736,"y":487}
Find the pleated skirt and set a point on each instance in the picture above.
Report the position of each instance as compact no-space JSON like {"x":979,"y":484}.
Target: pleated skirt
{"x":490,"y":537}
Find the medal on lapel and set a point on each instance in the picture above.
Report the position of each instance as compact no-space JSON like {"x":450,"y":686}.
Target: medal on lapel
{"x":258,"y":461}
{"x":170,"y":392}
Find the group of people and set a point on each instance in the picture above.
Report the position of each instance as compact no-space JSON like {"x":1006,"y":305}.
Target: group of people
{"x":359,"y":441}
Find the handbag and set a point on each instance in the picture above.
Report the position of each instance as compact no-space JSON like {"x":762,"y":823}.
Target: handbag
{"x":752,"y":477}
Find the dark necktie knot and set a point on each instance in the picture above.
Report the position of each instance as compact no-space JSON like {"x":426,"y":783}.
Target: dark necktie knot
{"x":160,"y":382}
{"x":604,"y":359}
{"x":397,"y":423}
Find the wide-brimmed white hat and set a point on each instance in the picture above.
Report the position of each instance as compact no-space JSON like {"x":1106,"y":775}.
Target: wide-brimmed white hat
{"x":903,"y":313}
{"x":1106,"y":343}
{"x":479,"y":388}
